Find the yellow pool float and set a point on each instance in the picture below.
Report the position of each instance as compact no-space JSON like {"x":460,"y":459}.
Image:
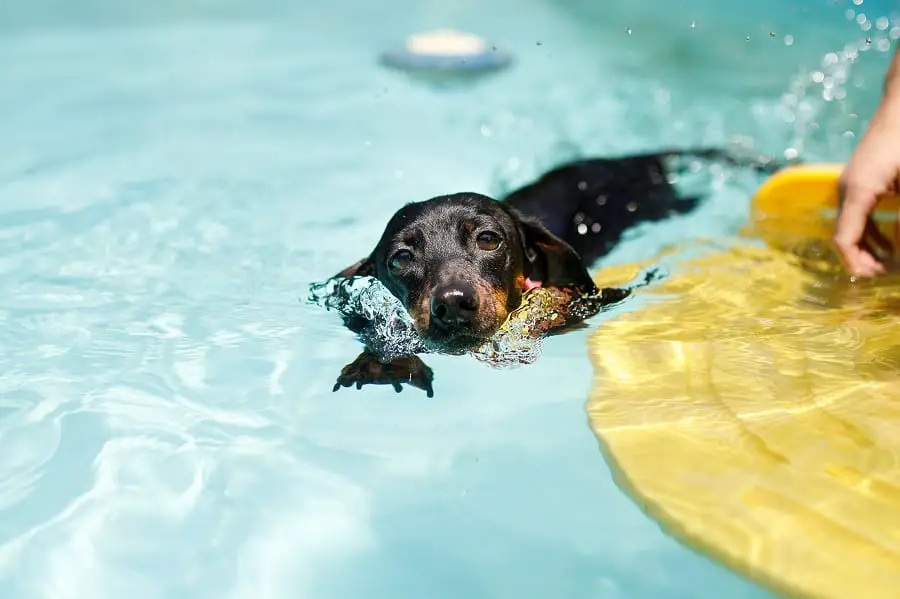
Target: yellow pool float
{"x":752,"y":404}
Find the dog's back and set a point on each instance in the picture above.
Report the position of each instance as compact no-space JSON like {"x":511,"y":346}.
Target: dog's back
{"x":591,"y":203}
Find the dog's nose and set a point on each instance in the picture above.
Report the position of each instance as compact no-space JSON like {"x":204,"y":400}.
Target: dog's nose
{"x":454,"y":305}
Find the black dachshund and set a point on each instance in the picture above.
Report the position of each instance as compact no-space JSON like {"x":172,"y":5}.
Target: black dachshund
{"x":460,"y":263}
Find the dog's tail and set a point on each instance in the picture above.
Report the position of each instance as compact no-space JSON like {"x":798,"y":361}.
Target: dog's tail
{"x":740,"y":158}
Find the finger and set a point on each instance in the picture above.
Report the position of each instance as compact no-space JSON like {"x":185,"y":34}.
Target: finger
{"x":856,"y":263}
{"x":856,"y":205}
{"x":874,"y":235}
{"x":871,"y":265}
{"x":862,"y":262}
{"x":865,"y":250}
{"x":848,"y":238}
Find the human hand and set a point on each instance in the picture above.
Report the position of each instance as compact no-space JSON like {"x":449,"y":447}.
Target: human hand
{"x":873,"y":171}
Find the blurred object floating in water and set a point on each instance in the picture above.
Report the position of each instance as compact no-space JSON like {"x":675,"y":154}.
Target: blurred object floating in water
{"x":750,"y":406}
{"x":445,"y":57}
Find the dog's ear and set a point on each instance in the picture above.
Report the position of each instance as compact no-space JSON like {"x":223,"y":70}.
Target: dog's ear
{"x":362,"y":268}
{"x":551,"y":260}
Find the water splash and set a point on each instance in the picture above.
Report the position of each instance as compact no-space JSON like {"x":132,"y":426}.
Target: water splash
{"x":367,"y":307}
{"x":386,"y":328}
{"x":519,"y":340}
{"x":821,"y":96}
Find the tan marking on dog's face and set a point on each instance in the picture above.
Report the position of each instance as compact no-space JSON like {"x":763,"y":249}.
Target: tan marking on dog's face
{"x":519,"y":283}
{"x":492,"y":310}
{"x":420,"y":312}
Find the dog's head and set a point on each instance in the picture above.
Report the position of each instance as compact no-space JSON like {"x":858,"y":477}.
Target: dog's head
{"x":460,"y":263}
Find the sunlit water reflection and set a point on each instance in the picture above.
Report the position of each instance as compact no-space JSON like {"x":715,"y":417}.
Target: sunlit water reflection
{"x":173,"y":180}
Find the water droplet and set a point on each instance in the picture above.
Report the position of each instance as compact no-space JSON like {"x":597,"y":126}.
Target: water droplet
{"x":818,"y":77}
{"x":790,"y":154}
{"x":693,"y":24}
{"x":601,"y":200}
{"x":582,"y":185}
{"x":858,"y":2}
{"x":789,"y":40}
{"x":771,"y":34}
{"x":582,"y":229}
{"x":882,"y":23}
{"x":631,"y":206}
{"x":747,"y":38}
{"x":884,"y":45}
{"x":595,"y":227}
{"x":628,"y":31}
{"x":868,"y":41}
{"x":486,"y":131}
{"x":539,"y":43}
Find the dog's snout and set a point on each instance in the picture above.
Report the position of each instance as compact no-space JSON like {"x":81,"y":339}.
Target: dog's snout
{"x":454,"y":306}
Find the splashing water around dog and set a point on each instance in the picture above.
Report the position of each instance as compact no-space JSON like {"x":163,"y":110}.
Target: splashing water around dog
{"x":385,"y":327}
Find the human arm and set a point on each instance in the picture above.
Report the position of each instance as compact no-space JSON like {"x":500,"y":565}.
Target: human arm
{"x":872,"y":171}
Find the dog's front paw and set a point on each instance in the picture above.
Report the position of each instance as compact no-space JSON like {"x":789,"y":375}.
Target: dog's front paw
{"x":367,"y":369}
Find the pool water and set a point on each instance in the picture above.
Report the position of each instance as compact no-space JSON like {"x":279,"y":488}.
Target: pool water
{"x":175,"y":176}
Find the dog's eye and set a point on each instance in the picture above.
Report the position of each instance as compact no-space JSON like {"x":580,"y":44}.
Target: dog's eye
{"x":487,"y":241}
{"x":400,"y":260}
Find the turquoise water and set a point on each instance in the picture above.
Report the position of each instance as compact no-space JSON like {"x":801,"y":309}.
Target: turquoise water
{"x":176,"y":174}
